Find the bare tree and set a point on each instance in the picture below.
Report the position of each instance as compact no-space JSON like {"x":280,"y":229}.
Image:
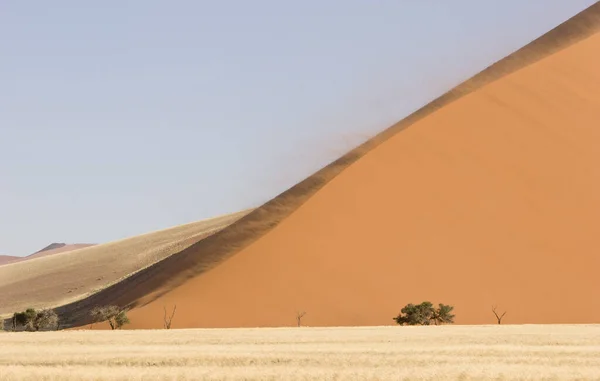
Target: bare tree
{"x":498,"y":317}
{"x":299,"y":316}
{"x":168,"y":320}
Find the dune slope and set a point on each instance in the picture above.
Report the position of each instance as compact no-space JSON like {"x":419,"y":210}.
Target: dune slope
{"x":491,"y":199}
{"x":64,"y":277}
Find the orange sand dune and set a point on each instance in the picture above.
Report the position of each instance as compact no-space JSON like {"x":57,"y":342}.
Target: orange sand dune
{"x":493,"y":199}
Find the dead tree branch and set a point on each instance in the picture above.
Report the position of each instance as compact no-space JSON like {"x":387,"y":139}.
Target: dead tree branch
{"x":168,"y":320}
{"x":498,"y":317}
{"x":299,"y":316}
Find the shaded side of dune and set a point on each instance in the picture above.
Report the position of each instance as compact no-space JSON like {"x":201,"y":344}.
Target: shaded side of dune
{"x":158,"y":279}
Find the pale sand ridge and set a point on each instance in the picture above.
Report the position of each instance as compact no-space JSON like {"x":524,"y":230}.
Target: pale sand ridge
{"x":59,"y":278}
{"x":5,"y":259}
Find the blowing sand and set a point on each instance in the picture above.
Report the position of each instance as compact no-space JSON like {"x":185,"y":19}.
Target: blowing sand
{"x":491,"y":200}
{"x":369,"y":353}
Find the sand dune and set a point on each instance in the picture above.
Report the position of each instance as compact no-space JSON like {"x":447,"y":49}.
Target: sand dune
{"x":55,"y":248}
{"x":492,"y":199}
{"x":7,"y":259}
{"x":57,"y":278}
{"x":489,"y":197}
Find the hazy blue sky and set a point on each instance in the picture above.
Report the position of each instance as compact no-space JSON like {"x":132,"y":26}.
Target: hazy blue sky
{"x":122,"y":117}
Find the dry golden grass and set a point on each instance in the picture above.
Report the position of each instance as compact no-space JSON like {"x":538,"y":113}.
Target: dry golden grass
{"x":529,"y":352}
{"x":62,"y":278}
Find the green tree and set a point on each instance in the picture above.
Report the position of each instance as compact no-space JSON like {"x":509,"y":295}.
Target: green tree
{"x":443,"y":314}
{"x":19,"y":319}
{"x":115,"y":317}
{"x":415,"y":314}
{"x":425,"y":314}
{"x":45,"y":319}
{"x":33,"y":320}
{"x":24,"y":319}
{"x":121,"y":319}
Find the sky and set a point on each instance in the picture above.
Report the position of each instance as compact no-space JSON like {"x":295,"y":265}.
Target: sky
{"x":119,"y":118}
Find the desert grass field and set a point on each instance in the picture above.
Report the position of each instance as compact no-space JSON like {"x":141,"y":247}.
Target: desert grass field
{"x":525,"y":352}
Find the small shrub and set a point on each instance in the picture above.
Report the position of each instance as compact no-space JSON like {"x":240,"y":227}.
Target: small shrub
{"x":45,"y":319}
{"x":24,"y":319}
{"x":121,"y":319}
{"x":425,"y":314}
{"x":443,"y":314}
{"x":33,"y":320}
{"x":115,"y":317}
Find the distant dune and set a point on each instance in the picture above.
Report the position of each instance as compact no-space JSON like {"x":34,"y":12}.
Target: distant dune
{"x":54,"y":278}
{"x":54,"y":248}
{"x":57,"y":248}
{"x":7,"y":259}
{"x":491,"y":197}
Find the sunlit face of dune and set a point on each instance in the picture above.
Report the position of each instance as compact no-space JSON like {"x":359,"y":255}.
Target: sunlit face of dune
{"x":491,"y":200}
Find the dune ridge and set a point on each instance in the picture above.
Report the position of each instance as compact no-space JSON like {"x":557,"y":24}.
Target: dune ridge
{"x":472,"y":198}
{"x":57,"y":249}
{"x":52,"y":249}
{"x":52,"y":246}
{"x":65,"y":277}
{"x":186,"y":271}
